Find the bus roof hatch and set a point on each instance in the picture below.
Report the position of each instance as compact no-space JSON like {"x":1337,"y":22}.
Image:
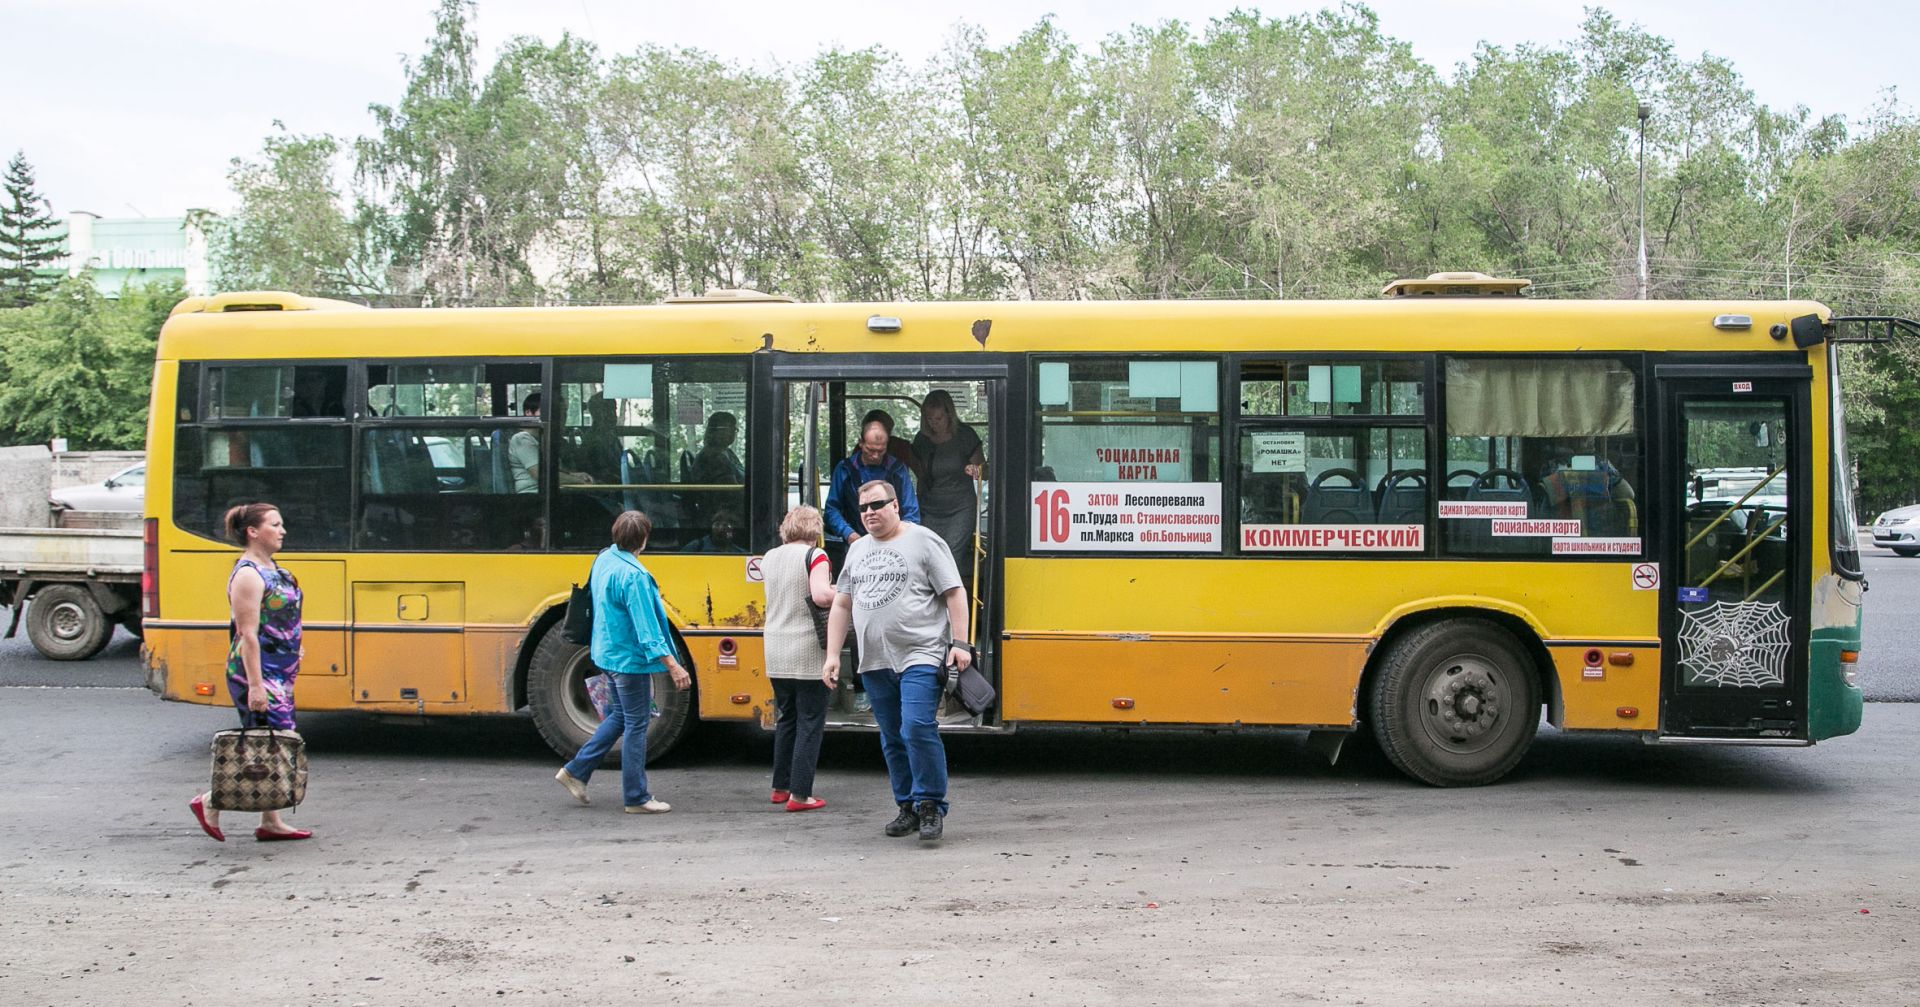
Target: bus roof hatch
{"x":1457,"y":285}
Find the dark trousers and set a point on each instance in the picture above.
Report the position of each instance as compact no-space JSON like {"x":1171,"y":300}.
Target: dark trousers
{"x":800,"y":718}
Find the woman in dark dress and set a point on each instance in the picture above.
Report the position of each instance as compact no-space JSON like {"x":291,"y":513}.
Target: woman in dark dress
{"x":947,"y":461}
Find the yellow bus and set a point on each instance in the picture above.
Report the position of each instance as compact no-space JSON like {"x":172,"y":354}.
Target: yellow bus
{"x":1437,"y":517}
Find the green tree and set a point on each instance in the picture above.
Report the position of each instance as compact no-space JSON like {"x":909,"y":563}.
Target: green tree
{"x":291,"y":230}
{"x":27,"y":244}
{"x":80,"y":365}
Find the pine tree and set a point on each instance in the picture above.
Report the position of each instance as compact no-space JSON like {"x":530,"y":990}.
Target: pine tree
{"x":27,"y":244}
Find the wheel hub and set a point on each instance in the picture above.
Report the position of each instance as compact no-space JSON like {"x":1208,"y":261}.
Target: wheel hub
{"x":67,"y":621}
{"x":1465,"y":700}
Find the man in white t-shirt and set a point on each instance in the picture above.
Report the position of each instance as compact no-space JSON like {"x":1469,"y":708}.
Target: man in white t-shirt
{"x":903,"y":597}
{"x":523,"y":451}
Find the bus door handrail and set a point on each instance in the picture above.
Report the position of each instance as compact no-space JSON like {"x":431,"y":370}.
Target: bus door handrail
{"x":1715,"y":523}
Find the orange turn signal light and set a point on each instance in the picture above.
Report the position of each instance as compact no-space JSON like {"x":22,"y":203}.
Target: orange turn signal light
{"x":1849,"y":657}
{"x":1628,"y":712}
{"x":1620,"y":658}
{"x":203,"y":688}
{"x":741,"y":698}
{"x":1122,"y":703}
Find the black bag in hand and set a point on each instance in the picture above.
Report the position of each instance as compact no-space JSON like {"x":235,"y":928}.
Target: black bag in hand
{"x":969,"y":686}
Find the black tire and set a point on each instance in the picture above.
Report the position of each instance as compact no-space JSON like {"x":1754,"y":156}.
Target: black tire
{"x":557,"y":692}
{"x":1456,"y":703}
{"x":132,"y":624}
{"x":1909,"y":553}
{"x":66,"y":624}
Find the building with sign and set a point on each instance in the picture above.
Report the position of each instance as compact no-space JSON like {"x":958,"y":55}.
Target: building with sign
{"x":133,"y":251}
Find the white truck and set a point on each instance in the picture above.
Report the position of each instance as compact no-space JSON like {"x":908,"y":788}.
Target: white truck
{"x":71,"y":586}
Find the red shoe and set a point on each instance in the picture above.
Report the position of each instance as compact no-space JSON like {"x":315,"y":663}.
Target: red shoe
{"x":809,"y":804}
{"x":199,"y":807}
{"x":780,"y":796}
{"x":276,"y":837}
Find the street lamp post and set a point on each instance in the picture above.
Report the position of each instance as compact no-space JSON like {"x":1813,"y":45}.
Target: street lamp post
{"x":1645,"y":111}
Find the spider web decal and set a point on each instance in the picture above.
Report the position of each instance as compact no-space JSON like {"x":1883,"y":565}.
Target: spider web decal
{"x":1742,"y":645}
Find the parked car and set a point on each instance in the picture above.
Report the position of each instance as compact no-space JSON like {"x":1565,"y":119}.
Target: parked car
{"x":125,"y":490}
{"x":1899,"y":530}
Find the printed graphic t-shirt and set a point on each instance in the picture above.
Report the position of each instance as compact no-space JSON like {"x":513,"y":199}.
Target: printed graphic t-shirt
{"x":899,"y":619}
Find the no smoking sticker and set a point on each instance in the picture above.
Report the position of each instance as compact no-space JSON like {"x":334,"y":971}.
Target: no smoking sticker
{"x":755,"y":575}
{"x":1646,"y":576}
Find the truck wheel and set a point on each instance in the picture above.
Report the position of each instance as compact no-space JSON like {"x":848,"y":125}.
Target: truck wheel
{"x":66,"y":624}
{"x":1455,"y":703}
{"x":557,"y":692}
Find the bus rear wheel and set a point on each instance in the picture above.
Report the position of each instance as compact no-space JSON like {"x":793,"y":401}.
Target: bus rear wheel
{"x":557,"y":692}
{"x":1456,"y":703}
{"x":64,"y":623}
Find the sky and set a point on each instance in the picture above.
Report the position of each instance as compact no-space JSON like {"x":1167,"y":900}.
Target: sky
{"x":130,"y":108}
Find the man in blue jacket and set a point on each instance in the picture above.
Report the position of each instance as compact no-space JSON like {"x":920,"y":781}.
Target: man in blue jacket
{"x":868,"y":462}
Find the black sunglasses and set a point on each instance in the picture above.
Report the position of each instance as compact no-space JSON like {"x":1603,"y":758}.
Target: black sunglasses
{"x":874,"y":505}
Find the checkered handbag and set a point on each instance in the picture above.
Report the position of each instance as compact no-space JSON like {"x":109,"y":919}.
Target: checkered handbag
{"x":258,"y":769}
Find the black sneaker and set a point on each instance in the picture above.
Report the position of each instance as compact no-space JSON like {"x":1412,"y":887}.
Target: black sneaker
{"x":905,"y":823}
{"x":931,"y":820}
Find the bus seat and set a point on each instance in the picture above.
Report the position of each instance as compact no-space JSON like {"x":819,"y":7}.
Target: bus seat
{"x":1476,"y":534}
{"x":1403,"y":497}
{"x":1335,"y":504}
{"x":1459,"y":481}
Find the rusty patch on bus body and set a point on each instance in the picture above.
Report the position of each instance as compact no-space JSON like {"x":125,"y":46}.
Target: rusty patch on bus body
{"x":750,"y":616}
{"x":981,"y":329}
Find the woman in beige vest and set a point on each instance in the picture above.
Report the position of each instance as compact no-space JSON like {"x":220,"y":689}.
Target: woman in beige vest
{"x":796,"y":582}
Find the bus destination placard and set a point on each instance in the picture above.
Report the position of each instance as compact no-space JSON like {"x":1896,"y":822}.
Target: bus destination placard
{"x":1126,"y":517}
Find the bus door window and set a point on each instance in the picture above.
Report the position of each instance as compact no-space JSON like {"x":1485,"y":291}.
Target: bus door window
{"x":1553,"y":444}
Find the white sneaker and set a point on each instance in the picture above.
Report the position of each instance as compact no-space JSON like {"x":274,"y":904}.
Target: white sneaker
{"x":654,"y":806}
{"x":574,"y":787}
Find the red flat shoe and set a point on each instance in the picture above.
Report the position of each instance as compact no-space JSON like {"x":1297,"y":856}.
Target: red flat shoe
{"x":780,"y":796}
{"x":278,"y":837}
{"x":810,"y":804}
{"x":199,"y":807}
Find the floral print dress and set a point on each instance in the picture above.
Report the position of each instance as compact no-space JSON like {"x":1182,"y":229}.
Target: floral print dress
{"x":279,"y":646}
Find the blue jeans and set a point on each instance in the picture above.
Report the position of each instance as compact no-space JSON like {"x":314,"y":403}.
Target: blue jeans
{"x":629,"y":714}
{"x":905,"y":704}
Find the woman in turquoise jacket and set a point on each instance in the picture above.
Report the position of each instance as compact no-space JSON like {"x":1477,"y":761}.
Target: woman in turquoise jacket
{"x":631,"y":643}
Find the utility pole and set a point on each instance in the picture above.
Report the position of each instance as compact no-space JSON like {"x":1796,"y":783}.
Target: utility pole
{"x":1645,"y":111}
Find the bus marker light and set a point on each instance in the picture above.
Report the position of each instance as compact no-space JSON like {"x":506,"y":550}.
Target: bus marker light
{"x":203,"y":688}
{"x":1849,"y":666}
{"x":1622,"y":658}
{"x":1627,"y":712}
{"x":741,"y":698}
{"x":1122,"y":703}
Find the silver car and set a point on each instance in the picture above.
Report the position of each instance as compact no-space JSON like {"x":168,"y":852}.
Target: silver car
{"x":125,"y":490}
{"x":1899,"y":530}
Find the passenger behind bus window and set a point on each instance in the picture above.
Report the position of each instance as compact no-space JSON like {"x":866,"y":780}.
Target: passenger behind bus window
{"x":1580,"y":483}
{"x":869,"y":461}
{"x":315,"y":393}
{"x":523,"y":454}
{"x":717,"y":464}
{"x":723,"y":535}
{"x":523,"y":450}
{"x":597,"y":456}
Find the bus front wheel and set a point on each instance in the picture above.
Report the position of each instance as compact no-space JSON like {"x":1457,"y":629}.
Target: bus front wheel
{"x":557,"y":692}
{"x":1456,"y":703}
